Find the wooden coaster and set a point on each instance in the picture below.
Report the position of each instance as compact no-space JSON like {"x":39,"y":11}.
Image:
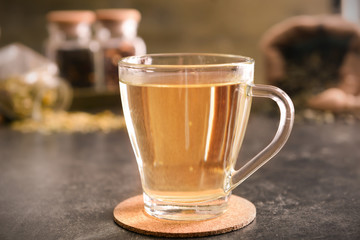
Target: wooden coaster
{"x":130,"y":214}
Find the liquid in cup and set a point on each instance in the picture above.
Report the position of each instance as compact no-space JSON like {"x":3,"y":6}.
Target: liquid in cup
{"x":186,"y":123}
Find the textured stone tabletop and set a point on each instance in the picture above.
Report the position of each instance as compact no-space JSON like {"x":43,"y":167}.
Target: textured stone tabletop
{"x":65,"y":186}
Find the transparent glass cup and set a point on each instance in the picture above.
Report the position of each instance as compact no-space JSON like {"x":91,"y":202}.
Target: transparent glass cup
{"x":186,"y":116}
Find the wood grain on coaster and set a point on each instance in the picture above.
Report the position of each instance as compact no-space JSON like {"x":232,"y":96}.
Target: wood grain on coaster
{"x":130,"y":215}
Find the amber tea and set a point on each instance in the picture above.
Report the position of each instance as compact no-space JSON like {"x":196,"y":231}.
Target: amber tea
{"x":187,"y":137}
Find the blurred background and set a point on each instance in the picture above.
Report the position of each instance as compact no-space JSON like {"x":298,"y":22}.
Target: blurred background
{"x":310,"y":49}
{"x":230,"y":26}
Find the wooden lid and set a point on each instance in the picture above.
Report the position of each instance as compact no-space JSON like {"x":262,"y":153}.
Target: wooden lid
{"x":71,"y":16}
{"x":119,"y":14}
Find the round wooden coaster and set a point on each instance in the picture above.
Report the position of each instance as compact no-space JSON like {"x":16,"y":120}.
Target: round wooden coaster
{"x":130,"y":214}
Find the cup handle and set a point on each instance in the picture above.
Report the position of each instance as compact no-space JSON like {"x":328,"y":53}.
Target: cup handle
{"x":285,"y":125}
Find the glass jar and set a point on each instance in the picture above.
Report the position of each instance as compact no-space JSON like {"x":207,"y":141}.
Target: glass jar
{"x":116,"y":31}
{"x":71,"y":46}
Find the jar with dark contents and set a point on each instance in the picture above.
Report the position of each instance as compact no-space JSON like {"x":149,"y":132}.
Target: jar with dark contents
{"x":116,"y":31}
{"x":71,"y":46}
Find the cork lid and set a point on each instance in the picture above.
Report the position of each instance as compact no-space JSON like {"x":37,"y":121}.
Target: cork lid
{"x":119,"y":14}
{"x":71,"y":16}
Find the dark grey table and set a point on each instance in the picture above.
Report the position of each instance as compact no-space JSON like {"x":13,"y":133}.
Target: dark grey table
{"x":65,"y":186}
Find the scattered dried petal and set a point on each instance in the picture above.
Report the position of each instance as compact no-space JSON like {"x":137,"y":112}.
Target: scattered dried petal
{"x":70,"y":122}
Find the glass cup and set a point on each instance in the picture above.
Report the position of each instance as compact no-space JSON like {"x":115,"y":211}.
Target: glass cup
{"x":186,"y":116}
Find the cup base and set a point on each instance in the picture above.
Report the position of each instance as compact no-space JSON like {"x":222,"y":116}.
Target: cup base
{"x":185,"y":211}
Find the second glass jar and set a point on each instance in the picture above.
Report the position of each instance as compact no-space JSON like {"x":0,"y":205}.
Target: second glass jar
{"x":116,"y":32}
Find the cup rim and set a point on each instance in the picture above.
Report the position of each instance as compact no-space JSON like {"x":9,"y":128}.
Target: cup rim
{"x":126,"y":61}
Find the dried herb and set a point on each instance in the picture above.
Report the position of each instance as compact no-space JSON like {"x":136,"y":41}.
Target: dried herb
{"x":111,"y":59}
{"x":76,"y":66}
{"x":70,"y":122}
